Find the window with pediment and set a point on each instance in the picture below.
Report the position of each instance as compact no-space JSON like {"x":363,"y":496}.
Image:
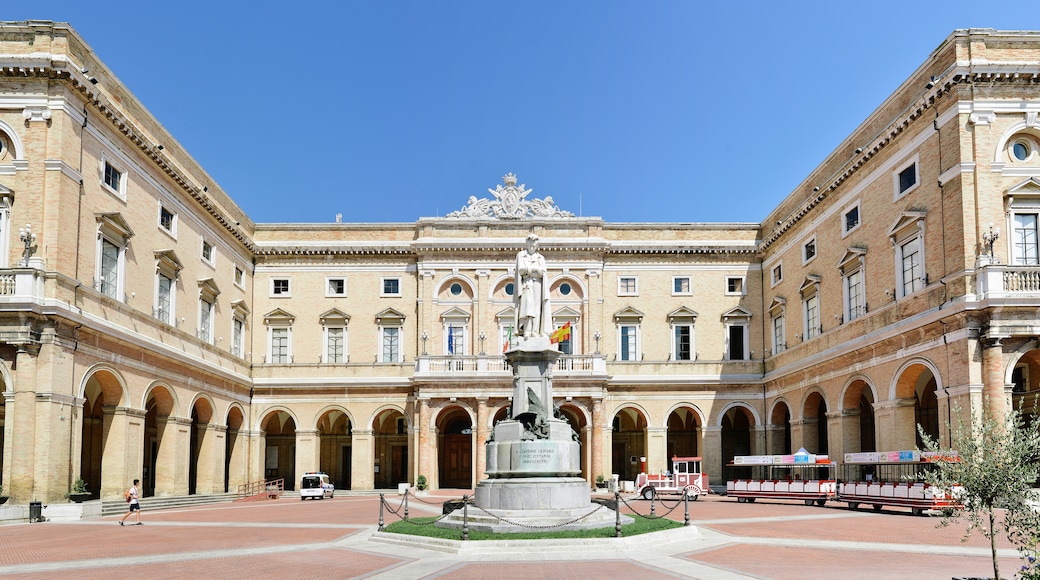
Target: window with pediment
{"x":561,"y":318}
{"x":390,"y":327}
{"x":455,"y":330}
{"x":853,"y":272}
{"x":239,"y":314}
{"x":810,"y":291}
{"x":167,"y":269}
{"x":778,"y":324}
{"x":1023,"y":209}
{"x":279,"y":336}
{"x":907,"y":237}
{"x":334,"y":336}
{"x":113,"y":237}
{"x":737,"y":323}
{"x":628,"y":322}
{"x":681,"y":322}
{"x":208,"y":293}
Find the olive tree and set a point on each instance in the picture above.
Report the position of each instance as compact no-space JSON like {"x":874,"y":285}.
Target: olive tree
{"x":993,"y":462}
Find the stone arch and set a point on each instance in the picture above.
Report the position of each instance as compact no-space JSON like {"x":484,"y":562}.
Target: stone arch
{"x":1023,"y":373}
{"x":165,"y":398}
{"x":580,"y":419}
{"x":469,"y":287}
{"x":374,"y":417}
{"x":278,"y":456}
{"x":497,"y":289}
{"x":390,"y":446}
{"x":455,"y":445}
{"x":780,"y":427}
{"x":917,"y":381}
{"x":163,"y":442}
{"x":554,"y":285}
{"x":738,"y":421}
{"x":1020,"y":127}
{"x":684,"y":424}
{"x":335,"y":427}
{"x":16,"y":141}
{"x":202,"y":475}
{"x":629,"y":424}
{"x":102,"y":387}
{"x":858,"y":422}
{"x":814,"y":421}
{"x":236,"y":444}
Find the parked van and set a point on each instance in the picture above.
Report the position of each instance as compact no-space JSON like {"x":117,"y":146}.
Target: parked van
{"x":315,"y":484}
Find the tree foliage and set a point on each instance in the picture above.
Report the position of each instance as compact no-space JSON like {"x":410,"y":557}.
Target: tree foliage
{"x":993,"y":463}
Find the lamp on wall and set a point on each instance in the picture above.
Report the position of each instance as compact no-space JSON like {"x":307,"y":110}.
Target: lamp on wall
{"x":482,"y":338}
{"x":28,"y":238}
{"x":989,"y":237}
{"x":424,"y":338}
{"x":597,"y":336}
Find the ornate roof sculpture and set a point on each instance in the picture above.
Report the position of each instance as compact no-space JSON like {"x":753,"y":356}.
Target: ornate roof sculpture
{"x":510,"y":203}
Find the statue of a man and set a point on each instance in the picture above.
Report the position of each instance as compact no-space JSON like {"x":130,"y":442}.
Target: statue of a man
{"x":531,"y":292}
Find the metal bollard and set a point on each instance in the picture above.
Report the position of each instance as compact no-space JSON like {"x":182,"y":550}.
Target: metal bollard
{"x":465,"y":517}
{"x":406,"y":505}
{"x":617,"y":514}
{"x":380,"y":512}
{"x":686,"y":507}
{"x":653,"y":506}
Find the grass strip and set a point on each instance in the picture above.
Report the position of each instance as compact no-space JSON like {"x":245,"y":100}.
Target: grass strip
{"x":423,"y":527}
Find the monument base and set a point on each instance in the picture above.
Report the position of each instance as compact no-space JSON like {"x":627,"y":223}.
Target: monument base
{"x":533,"y":504}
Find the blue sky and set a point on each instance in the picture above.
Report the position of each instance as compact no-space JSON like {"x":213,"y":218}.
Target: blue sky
{"x":632,"y":111}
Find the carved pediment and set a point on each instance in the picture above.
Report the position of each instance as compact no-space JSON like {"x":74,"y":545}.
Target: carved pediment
{"x":907,"y":219}
{"x":810,"y":284}
{"x":390,"y":317}
{"x":510,"y":203}
{"x":114,"y":226}
{"x":208,"y":289}
{"x":1030,"y":186}
{"x":278,"y":317}
{"x":455,"y":313}
{"x":682,"y":314}
{"x":566,"y":312}
{"x":737,"y":312}
{"x":777,"y":305}
{"x":333,"y":316}
{"x":853,"y":257}
{"x":507,"y":314}
{"x":167,"y":263}
{"x":239,"y":307}
{"x":628,"y":314}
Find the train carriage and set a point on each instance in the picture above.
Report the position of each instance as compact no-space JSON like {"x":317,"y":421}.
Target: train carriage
{"x":801,"y":476}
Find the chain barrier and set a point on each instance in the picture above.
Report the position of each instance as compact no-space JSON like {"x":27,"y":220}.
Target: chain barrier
{"x":653,"y":515}
{"x":533,"y":527}
{"x":405,"y":518}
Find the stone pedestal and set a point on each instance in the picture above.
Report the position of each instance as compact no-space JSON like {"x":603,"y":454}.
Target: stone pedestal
{"x":533,"y":460}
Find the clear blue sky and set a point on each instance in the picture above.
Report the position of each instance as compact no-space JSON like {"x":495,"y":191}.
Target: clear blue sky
{"x":632,"y":111}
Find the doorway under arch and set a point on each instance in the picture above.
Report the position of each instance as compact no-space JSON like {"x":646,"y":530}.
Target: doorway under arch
{"x":280,"y":455}
{"x":455,"y":448}
{"x":336,"y":455}
{"x":391,"y":451}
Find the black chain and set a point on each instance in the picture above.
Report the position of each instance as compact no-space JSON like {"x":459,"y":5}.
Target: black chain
{"x":653,"y":517}
{"x":409,"y":519}
{"x":533,"y":527}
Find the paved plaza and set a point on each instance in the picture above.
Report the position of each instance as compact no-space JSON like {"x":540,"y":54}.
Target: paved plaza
{"x":337,"y":538}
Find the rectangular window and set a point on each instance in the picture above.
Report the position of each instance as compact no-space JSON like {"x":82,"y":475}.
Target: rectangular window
{"x":238,"y":327}
{"x":779,"y":341}
{"x":908,"y":178}
{"x":683,"y":340}
{"x":456,"y":337}
{"x":812,"y":316}
{"x":206,"y":321}
{"x":778,"y":274}
{"x":809,"y":250}
{"x":239,"y":276}
{"x":279,"y":345}
{"x":681,"y":285}
{"x":854,"y":306}
{"x":567,"y":345}
{"x":913,"y":275}
{"x":1024,"y":242}
{"x":207,"y":251}
{"x":850,"y":219}
{"x":109,"y":282}
{"x":391,"y":286}
{"x":335,"y":287}
{"x":735,"y":285}
{"x":166,"y":219}
{"x":391,"y":344}
{"x":627,"y":347}
{"x":113,"y":178}
{"x":162,"y":303}
{"x":280,"y":287}
{"x":736,"y":348}
{"x":627,"y":286}
{"x":334,"y":349}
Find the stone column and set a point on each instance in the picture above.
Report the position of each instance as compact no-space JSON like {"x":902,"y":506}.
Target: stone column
{"x":425,"y":467}
{"x":775,"y":436}
{"x":797,"y":434}
{"x":238,"y":461}
{"x":209,"y":469}
{"x":362,"y":469}
{"x":657,"y":459}
{"x":597,"y":431}
{"x":21,"y":413}
{"x":308,"y":451}
{"x":895,"y":425}
{"x":122,"y":459}
{"x":482,"y":433}
{"x":257,"y":456}
{"x":850,"y":432}
{"x":995,"y":389}
{"x":712,"y":454}
{"x":758,"y":439}
{"x":166,"y":459}
{"x":835,"y":449}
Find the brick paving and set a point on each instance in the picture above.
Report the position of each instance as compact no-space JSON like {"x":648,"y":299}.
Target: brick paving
{"x":288,"y":538}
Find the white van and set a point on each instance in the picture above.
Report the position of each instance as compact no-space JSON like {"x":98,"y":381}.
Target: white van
{"x":315,"y":484}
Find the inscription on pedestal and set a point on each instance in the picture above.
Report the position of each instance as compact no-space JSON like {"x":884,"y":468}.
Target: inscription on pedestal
{"x":533,"y":457}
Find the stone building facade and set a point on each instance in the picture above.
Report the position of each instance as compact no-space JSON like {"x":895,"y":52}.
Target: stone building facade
{"x":149,"y":328}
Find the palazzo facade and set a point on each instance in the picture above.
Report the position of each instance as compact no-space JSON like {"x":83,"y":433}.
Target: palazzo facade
{"x":150,"y":329}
